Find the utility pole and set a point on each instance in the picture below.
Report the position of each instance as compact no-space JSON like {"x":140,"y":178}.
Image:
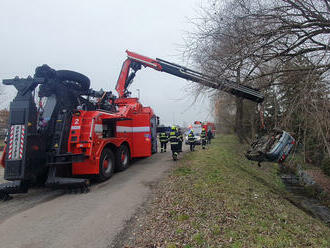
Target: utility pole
{"x":138,"y":90}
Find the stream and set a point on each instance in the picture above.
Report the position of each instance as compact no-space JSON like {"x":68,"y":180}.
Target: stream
{"x":298,"y":197}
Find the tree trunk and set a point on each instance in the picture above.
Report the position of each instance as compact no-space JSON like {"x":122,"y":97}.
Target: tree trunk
{"x":253,"y":123}
{"x":239,"y":120}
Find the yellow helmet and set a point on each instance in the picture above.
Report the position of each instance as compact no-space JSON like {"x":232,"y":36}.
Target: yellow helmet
{"x":203,"y":129}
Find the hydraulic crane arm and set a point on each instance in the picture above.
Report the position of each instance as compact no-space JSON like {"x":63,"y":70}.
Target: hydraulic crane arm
{"x":135,"y":62}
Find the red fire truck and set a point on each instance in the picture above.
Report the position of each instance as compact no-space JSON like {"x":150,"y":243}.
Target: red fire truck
{"x":75,"y":133}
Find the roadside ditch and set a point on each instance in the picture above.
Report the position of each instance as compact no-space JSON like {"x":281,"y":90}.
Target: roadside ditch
{"x":306,"y":194}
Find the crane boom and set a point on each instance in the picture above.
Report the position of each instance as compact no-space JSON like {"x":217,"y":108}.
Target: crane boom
{"x":135,"y":62}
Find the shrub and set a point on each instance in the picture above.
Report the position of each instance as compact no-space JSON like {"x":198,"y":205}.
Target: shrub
{"x":326,"y":165}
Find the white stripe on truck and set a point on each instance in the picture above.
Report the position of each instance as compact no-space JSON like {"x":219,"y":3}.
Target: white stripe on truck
{"x":123,"y":129}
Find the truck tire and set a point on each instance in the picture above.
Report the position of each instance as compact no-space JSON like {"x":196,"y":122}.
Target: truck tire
{"x":107,"y":164}
{"x":123,"y":158}
{"x":83,"y":82}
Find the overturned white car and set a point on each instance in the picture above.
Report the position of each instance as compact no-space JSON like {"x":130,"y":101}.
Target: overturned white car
{"x":274,"y":147}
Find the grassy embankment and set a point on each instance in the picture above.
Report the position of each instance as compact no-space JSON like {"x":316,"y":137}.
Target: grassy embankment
{"x":216,"y":198}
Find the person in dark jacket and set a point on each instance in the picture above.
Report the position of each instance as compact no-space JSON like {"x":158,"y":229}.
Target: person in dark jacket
{"x":209,"y":135}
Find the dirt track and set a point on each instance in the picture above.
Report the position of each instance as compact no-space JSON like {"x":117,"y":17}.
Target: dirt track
{"x":48,"y":218}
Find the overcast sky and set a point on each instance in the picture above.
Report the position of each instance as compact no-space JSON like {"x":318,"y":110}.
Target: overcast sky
{"x":91,"y":36}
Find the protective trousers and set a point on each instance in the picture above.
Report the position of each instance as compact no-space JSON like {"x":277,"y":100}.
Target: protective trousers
{"x":192,"y":145}
{"x":203,"y":143}
{"x":163,"y":146}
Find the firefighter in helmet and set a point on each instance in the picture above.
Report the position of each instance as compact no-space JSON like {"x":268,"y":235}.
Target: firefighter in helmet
{"x":203,"y":138}
{"x":174,"y":141}
{"x":191,"y":140}
{"x":163,"y":139}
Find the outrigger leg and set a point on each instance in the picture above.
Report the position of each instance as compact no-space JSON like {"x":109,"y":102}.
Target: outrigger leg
{"x":71,"y":184}
{"x":14,"y":187}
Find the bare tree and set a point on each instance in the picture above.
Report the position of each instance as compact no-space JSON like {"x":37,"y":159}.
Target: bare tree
{"x":280,"y":46}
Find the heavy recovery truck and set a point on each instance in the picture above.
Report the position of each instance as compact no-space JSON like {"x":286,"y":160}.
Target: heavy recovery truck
{"x":62,"y":133}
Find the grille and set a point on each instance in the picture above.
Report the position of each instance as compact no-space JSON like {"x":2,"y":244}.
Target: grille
{"x":13,"y":171}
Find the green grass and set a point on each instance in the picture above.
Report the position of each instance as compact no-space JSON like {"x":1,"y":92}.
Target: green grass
{"x":216,"y":197}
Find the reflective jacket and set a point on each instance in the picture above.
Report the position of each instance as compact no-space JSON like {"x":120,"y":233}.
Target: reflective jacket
{"x":174,"y":138}
{"x":191,"y":138}
{"x":203,"y":134}
{"x":163,"y":138}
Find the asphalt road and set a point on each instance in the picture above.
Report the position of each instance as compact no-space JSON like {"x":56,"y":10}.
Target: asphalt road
{"x":49,"y":218}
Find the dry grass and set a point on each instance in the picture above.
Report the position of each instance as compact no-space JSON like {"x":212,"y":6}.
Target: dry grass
{"x":320,"y":178}
{"x":216,"y":198}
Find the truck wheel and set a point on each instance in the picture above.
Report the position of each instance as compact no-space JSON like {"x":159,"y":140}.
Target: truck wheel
{"x":107,"y":164}
{"x":122,"y":158}
{"x":83,"y":82}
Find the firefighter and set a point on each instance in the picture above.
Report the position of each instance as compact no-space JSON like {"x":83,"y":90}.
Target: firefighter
{"x":180,"y":139}
{"x":163,"y":139}
{"x":191,"y":140}
{"x":174,"y":141}
{"x":203,"y":138}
